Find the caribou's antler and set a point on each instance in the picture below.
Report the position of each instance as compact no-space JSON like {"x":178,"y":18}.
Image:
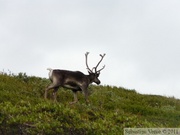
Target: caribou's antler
{"x":86,"y":55}
{"x":102,"y":56}
{"x":94,"y":68}
{"x":101,"y":69}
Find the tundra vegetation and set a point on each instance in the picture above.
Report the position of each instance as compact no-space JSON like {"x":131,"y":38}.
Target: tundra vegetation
{"x":24,"y":111}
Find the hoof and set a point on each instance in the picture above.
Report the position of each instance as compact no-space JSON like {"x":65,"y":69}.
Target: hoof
{"x":73,"y":102}
{"x":88,"y":102}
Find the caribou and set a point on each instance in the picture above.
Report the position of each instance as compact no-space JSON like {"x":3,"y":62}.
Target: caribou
{"x":74,"y":80}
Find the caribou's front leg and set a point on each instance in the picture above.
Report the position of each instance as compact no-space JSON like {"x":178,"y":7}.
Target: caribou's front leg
{"x":86,"y":96}
{"x":75,"y":98}
{"x":85,"y":91}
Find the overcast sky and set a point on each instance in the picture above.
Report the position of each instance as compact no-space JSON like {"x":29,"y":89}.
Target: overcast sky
{"x":141,"y":39}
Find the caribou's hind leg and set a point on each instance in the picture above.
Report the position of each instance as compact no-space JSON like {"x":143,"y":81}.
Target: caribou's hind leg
{"x":51,"y":86}
{"x":55,"y":93}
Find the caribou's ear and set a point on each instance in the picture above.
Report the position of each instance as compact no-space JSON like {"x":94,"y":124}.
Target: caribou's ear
{"x":98,"y":73}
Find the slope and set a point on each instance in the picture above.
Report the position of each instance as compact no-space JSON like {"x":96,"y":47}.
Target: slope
{"x":24,"y":111}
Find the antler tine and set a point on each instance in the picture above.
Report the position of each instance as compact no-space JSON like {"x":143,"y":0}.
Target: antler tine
{"x":86,"y":55}
{"x":101,"y":69}
{"x":102,"y":56}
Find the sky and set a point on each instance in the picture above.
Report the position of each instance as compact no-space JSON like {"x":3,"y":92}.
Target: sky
{"x":139,"y":37}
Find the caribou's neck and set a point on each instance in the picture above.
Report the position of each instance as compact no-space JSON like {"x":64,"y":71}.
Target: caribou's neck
{"x":90,"y":79}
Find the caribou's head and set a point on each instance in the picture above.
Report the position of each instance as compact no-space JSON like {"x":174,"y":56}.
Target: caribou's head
{"x":94,"y":73}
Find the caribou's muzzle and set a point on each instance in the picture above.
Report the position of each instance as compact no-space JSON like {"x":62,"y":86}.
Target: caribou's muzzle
{"x":97,"y":82}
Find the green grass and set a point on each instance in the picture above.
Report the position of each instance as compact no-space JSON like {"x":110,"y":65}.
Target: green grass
{"x":23,"y":109}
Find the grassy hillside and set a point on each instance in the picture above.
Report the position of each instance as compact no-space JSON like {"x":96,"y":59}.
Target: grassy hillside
{"x":24,"y":111}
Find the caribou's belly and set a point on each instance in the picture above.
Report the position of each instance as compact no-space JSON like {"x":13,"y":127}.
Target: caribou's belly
{"x":75,"y":87}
